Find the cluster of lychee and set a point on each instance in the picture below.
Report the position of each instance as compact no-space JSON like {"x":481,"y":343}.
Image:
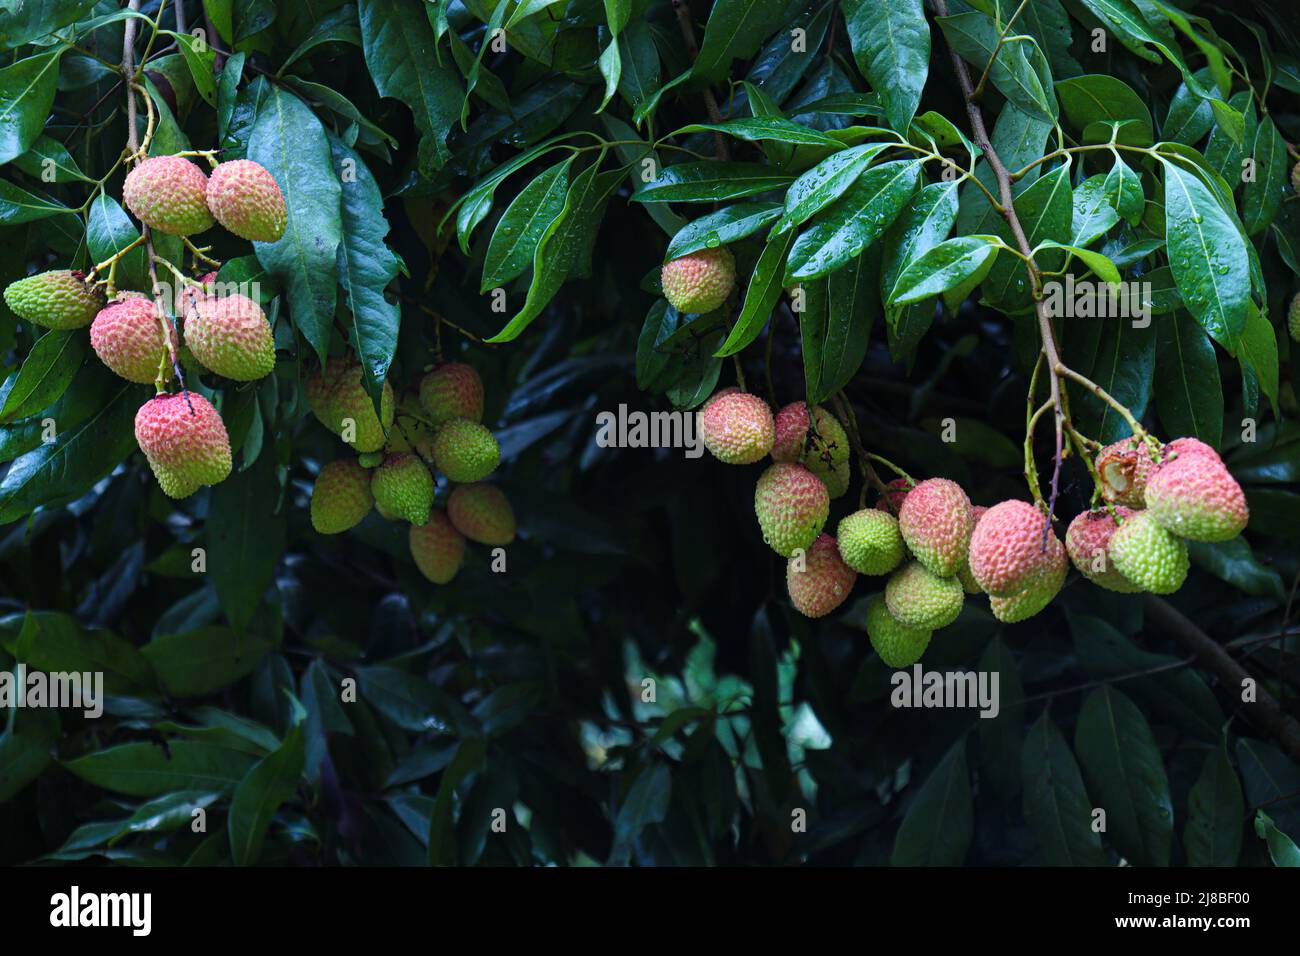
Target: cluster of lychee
{"x":936,"y":547}
{"x":437,"y":428}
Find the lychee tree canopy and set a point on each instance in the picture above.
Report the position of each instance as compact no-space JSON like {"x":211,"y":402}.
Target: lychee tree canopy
{"x":499,"y":183}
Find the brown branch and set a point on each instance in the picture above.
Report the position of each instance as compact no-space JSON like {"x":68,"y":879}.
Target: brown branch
{"x":683,"y":11}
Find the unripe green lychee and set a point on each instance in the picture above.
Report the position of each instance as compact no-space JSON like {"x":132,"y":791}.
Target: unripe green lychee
{"x":341,"y":496}
{"x":59,"y":299}
{"x":896,"y":493}
{"x":465,"y":451}
{"x":127,"y":336}
{"x":819,"y":581}
{"x":964,"y":575}
{"x":230,"y":335}
{"x":1006,"y":548}
{"x":791,"y":426}
{"x":1124,"y":468}
{"x":452,"y":390}
{"x":403,"y":488}
{"x":437,"y":548}
{"x":337,"y":398}
{"x":482,"y":513}
{"x":897,"y":644}
{"x":371,"y":459}
{"x":185,"y":441}
{"x":1148,"y":555}
{"x":245,"y":198}
{"x":918,"y":597}
{"x":699,"y":282}
{"x":1293,"y":318}
{"x":1088,"y":543}
{"x":737,"y":428}
{"x":870,"y":542}
{"x":791,"y":504}
{"x":936,"y":521}
{"x":826,"y":453}
{"x":410,"y":432}
{"x":168,"y":194}
{"x":1025,"y":604}
{"x":1295,"y":177}
{"x":1195,"y":496}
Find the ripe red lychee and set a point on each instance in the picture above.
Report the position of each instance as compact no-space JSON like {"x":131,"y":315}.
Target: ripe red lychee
{"x":245,"y":198}
{"x":892,"y":500}
{"x":1006,"y":548}
{"x":168,"y":194}
{"x":737,"y":428}
{"x":127,"y":335}
{"x":185,"y":441}
{"x":1195,"y":496}
{"x":1088,"y":543}
{"x":936,"y":521}
{"x":820,"y":582}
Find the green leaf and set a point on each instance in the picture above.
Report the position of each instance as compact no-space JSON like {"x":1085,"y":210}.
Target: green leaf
{"x":1256,"y":348}
{"x":1095,"y":211}
{"x":1124,"y":367}
{"x":1019,"y":72}
{"x":1057,"y":807}
{"x":1281,"y":848}
{"x":290,"y":142}
{"x":200,"y":62}
{"x":1264,"y":195}
{"x":825,"y":183}
{"x":47,"y":155}
{"x":1122,"y":188}
{"x":245,"y":537}
{"x":469,"y":758}
{"x":965,"y":259}
{"x":1189,"y":396}
{"x":646,"y":803}
{"x":891,"y":44}
{"x":270,"y":783}
{"x":522,"y":225}
{"x":762,"y":294}
{"x":758,"y":129}
{"x":151,"y":769}
{"x":1189,"y":117}
{"x":765,"y":712}
{"x":1234,"y":562}
{"x":46,"y":373}
{"x":1126,"y":775}
{"x":924,"y":222}
{"x":835,"y":338}
{"x":722,"y":228}
{"x":23,"y":22}
{"x":57,"y":643}
{"x":1215,"y":809}
{"x":709,"y":181}
{"x":639,"y":77}
{"x":17,"y":205}
{"x":109,"y":231}
{"x":337,"y":26}
{"x":1046,"y":211}
{"x":939,"y":824}
{"x":26,"y":749}
{"x":201,"y":662}
{"x":735,"y":30}
{"x":1002,"y":737}
{"x":26,"y":96}
{"x":1101,"y":98}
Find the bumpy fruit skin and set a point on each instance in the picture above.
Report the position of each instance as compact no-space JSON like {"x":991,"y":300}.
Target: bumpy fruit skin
{"x":1295,"y":177}
{"x":896,"y":493}
{"x":699,"y":282}
{"x":169,"y":194}
{"x":936,"y":521}
{"x":437,"y":548}
{"x":791,"y":431}
{"x":791,"y":504}
{"x":403,"y":488}
{"x":58,"y":299}
{"x":827,"y":452}
{"x":897,"y":644}
{"x":245,"y":198}
{"x":1087,"y":541}
{"x":824,"y":582}
{"x":1148,"y":555}
{"x":230,"y":335}
{"x":1125,"y":467}
{"x":335,"y":394}
{"x":185,"y":442}
{"x":127,"y":336}
{"x":1033,"y":599}
{"x":482,"y":513}
{"x":870,"y":542}
{"x":465,"y":451}
{"x":409,"y":431}
{"x":1195,"y":497}
{"x":737,"y":428}
{"x":453,"y":390}
{"x":1006,"y":549}
{"x":341,"y":496}
{"x":1293,"y":317}
{"x":964,"y":575}
{"x":918,"y":597}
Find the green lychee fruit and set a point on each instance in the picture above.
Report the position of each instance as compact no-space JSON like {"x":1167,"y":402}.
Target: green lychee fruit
{"x":231,"y":336}
{"x":452,"y":390}
{"x":465,"y":451}
{"x":437,"y":548}
{"x":403,"y":488}
{"x":791,"y":426}
{"x":1148,"y":555}
{"x":792,"y":505}
{"x":918,"y":597}
{"x":1195,"y":496}
{"x":870,"y":542}
{"x":341,"y":496}
{"x":1087,"y":541}
{"x":1293,"y":318}
{"x":410,"y":432}
{"x":819,"y":581}
{"x":245,"y":198}
{"x":936,"y":520}
{"x":1026,"y":603}
{"x":482,"y":513}
{"x":58,"y":299}
{"x":1124,"y":468}
{"x":699,"y":282}
{"x":169,"y":194}
{"x":185,"y":441}
{"x":337,"y":398}
{"x":371,"y":459}
{"x":964,"y":575}
{"x":127,"y":335}
{"x":737,"y":428}
{"x":1295,"y":177}
{"x":826,"y":453}
{"x":897,"y":644}
{"x":1007,"y":551}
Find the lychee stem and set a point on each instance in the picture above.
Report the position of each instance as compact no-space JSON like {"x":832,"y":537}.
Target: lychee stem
{"x":199,"y":253}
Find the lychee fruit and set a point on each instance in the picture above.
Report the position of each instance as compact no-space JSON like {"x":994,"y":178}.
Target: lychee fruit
{"x":1026,"y":603}
{"x":245,"y":198}
{"x":1148,"y":555}
{"x":465,"y":451}
{"x":169,"y":194}
{"x":1195,"y":496}
{"x":437,"y":548}
{"x":820,"y":581}
{"x":792,"y":505}
{"x":699,"y":282}
{"x":403,"y":488}
{"x":452,"y":390}
{"x":1006,"y":548}
{"x":894,"y":496}
{"x":897,"y":644}
{"x":185,"y":441}
{"x":964,"y":575}
{"x":826,"y":454}
{"x":1293,"y":318}
{"x":936,"y":522}
{"x":791,"y":425}
{"x":1295,"y":177}
{"x":341,"y":496}
{"x":59,"y":299}
{"x":482,"y":513}
{"x":337,"y":398}
{"x":1124,"y":468}
{"x":231,"y":336}
{"x":127,"y":336}
{"x":870,"y":542}
{"x":737,"y":428}
{"x":1088,"y":543}
{"x":918,"y":597}
{"x":410,"y":432}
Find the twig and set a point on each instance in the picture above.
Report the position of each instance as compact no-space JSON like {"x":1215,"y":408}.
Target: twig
{"x":683,"y":12}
